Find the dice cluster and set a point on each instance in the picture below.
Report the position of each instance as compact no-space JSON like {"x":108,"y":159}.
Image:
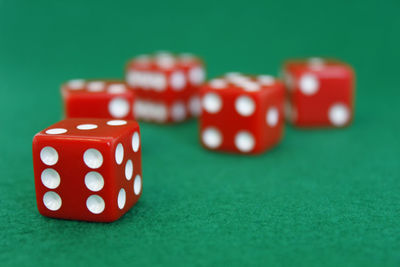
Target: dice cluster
{"x":88,"y":166}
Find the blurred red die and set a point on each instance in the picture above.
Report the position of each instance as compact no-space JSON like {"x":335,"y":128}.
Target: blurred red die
{"x":167,"y":83}
{"x":320,"y":93}
{"x":242,"y":113}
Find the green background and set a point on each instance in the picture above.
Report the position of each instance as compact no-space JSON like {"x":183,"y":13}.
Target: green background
{"x":322,"y":197}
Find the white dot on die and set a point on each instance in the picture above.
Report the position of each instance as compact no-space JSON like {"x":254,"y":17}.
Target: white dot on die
{"x":245,"y":106}
{"x":76,"y":84}
{"x":165,"y":60}
{"x":94,"y":181}
{"x":178,"y":81}
{"x":137,"y":185}
{"x":159,"y":82}
{"x":119,"y":154}
{"x":56,"y":131}
{"x":249,"y":86}
{"x":131,"y":78}
{"x":272,"y":117}
{"x":339,"y":114}
{"x":211,"y":137}
{"x":128,"y":170}
{"x":142,"y":110}
{"x":116,"y":122}
{"x":137,"y":109}
{"x":266,"y":80}
{"x":238,"y":79}
{"x":160,"y":112}
{"x":49,"y":155}
{"x":121,"y":198}
{"x":52,"y":201}
{"x":178,"y":111}
{"x":86,"y":126}
{"x":50,"y":178}
{"x":135,"y":142}
{"x":95,"y":204}
{"x":218,"y":84}
{"x":118,"y":107}
{"x":244,"y":141}
{"x":195,"y":106}
{"x":93,"y":158}
{"x":166,"y":63}
{"x":146,"y":80}
{"x":309,"y":84}
{"x":117,"y":88}
{"x":196,"y":75}
{"x":96,"y":86}
{"x":212,"y":103}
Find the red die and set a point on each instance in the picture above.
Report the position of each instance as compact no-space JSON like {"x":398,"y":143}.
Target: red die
{"x":319,"y":92}
{"x":166,"y":86}
{"x":87,"y":169}
{"x":242,"y":113}
{"x":97,"y":99}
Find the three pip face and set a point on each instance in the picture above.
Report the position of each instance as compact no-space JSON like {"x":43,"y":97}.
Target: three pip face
{"x":88,"y":166}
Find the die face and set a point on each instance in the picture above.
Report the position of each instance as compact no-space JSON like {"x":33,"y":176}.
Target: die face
{"x":68,"y":199}
{"x":97,"y":99}
{"x":128,"y":170}
{"x":234,"y":113}
{"x":83,"y":172}
{"x":320,"y":93}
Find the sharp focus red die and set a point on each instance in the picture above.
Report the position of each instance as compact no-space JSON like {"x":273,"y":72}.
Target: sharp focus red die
{"x":166,"y":86}
{"x":320,"y":92}
{"x":242,"y":113}
{"x":97,"y":99}
{"x":87,"y":169}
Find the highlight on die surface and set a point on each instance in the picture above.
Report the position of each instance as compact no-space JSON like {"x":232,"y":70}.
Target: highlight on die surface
{"x":320,"y":92}
{"x":242,"y":113}
{"x":97,"y":99}
{"x":87,"y":169}
{"x":166,"y":86}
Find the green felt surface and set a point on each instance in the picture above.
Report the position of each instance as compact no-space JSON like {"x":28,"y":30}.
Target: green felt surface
{"x":321,"y":198}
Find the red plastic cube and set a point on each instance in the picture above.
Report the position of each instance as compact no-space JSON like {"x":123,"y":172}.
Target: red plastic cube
{"x":97,"y":99}
{"x":320,"y":92}
{"x":166,"y":86}
{"x":87,"y":169}
{"x":241,"y":113}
